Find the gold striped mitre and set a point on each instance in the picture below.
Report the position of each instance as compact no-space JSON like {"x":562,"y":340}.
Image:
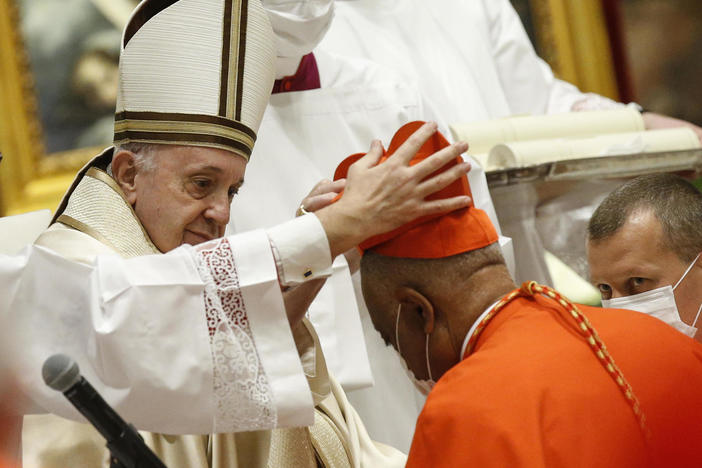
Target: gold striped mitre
{"x":195,"y":72}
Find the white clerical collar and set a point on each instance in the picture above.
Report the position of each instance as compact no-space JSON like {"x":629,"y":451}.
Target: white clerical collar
{"x":475,"y":325}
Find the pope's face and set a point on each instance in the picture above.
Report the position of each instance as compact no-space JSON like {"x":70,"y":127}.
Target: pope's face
{"x":186,"y":198}
{"x":636,"y":259}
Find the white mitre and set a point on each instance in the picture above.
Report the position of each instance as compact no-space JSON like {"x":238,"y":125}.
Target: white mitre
{"x":195,"y":72}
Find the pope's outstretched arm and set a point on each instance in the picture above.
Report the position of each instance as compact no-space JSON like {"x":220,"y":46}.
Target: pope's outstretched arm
{"x":198,"y":340}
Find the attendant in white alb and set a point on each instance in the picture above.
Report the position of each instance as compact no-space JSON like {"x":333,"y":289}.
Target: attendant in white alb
{"x":472,"y":60}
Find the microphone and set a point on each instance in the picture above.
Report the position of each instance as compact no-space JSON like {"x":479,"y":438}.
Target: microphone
{"x":126,"y":446}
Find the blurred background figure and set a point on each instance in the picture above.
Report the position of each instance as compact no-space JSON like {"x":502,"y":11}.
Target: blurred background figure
{"x":663,"y":41}
{"x":73,"y":48}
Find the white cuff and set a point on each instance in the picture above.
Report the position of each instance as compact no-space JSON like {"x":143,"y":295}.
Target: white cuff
{"x":301,"y":249}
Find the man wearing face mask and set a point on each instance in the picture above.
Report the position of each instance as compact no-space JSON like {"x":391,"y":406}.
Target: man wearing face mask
{"x":644,"y":244}
{"x":524,"y":377}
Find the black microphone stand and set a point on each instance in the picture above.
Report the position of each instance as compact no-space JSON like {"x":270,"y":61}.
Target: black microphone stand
{"x":126,"y":446}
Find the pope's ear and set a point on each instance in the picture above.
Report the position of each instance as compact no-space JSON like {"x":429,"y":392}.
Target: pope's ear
{"x":124,"y":171}
{"x":419,"y":302}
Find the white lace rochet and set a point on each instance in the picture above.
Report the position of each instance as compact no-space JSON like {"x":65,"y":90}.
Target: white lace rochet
{"x":244,"y":398}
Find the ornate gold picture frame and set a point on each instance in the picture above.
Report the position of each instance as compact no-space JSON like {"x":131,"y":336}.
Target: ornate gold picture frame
{"x":570,"y":34}
{"x":31,"y":178}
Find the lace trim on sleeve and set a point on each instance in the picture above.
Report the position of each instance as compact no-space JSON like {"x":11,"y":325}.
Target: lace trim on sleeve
{"x":244,"y":397}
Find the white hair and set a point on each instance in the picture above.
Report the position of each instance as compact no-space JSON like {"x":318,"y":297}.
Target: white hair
{"x":143,"y":155}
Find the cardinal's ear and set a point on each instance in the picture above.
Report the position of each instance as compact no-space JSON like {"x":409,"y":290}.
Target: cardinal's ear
{"x":414,"y":301}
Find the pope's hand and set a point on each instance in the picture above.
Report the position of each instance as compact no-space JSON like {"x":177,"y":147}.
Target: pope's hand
{"x":321,"y":195}
{"x":381,"y":197}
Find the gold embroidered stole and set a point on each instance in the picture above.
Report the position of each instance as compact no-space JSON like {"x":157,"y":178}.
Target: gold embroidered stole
{"x":321,"y":444}
{"x":97,"y":207}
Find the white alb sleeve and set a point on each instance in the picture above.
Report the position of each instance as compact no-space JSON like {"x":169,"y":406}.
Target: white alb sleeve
{"x":258,"y":378}
{"x":193,"y":341}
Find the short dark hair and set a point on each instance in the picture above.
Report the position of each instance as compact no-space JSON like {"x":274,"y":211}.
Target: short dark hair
{"x":676,"y":203}
{"x":427,"y":275}
{"x":423,"y":272}
{"x":381,"y":275}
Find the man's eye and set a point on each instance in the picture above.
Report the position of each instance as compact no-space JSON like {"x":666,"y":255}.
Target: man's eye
{"x":605,"y":290}
{"x":637,"y":283}
{"x":233,"y":191}
{"x":202,"y":183}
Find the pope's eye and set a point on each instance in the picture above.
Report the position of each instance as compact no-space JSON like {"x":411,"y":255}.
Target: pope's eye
{"x":605,"y":290}
{"x":233,"y":191}
{"x":201,"y":185}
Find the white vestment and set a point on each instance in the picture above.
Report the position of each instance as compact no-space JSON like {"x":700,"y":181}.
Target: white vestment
{"x":471,"y":59}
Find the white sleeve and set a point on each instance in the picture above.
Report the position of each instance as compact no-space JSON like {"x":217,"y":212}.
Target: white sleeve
{"x":528,"y":81}
{"x":301,"y":249}
{"x":194,"y":341}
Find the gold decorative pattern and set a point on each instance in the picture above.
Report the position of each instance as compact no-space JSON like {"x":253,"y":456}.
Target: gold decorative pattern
{"x":67,"y":161}
{"x":97,"y":205}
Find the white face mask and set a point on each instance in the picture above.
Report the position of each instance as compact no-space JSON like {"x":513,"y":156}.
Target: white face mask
{"x":424,"y":386}
{"x":659,"y":303}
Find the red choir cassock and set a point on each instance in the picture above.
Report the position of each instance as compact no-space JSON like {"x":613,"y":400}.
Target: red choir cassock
{"x":534,"y":394}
